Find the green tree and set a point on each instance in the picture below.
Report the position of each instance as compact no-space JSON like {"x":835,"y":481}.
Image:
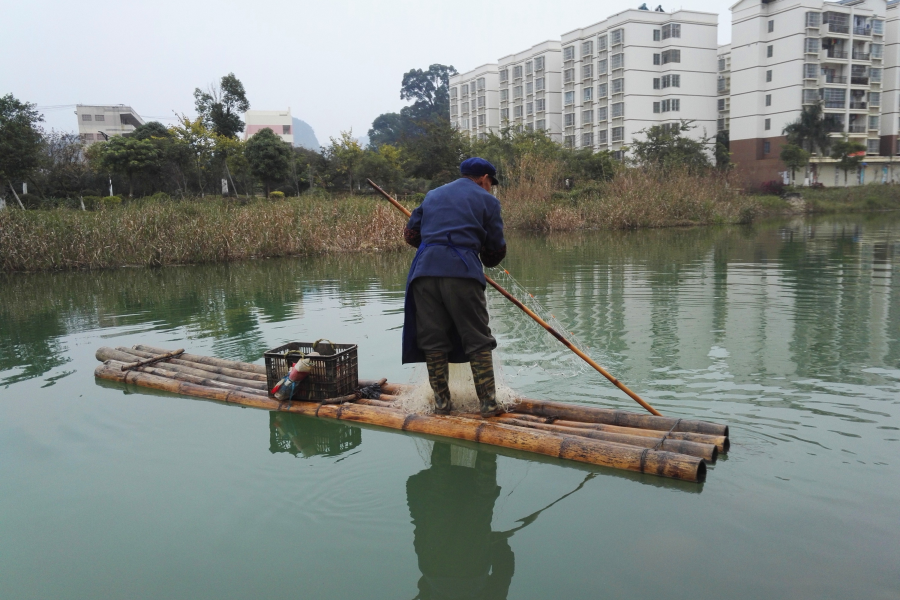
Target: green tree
{"x":20,"y":141}
{"x":809,"y":131}
{"x":667,"y":148}
{"x":436,"y":154}
{"x":344,"y":155}
{"x":848,"y":154}
{"x":220,"y":106}
{"x":723,"y":151}
{"x":794,"y":157}
{"x":193,"y":150}
{"x":64,"y":168}
{"x":429,"y":90}
{"x":269,"y":158}
{"x":130,"y":157}
{"x":384,"y":166}
{"x":388,"y":128}
{"x":585,"y":164}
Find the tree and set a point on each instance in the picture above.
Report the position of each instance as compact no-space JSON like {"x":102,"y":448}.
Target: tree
{"x":723,"y":151}
{"x":130,"y":157}
{"x":436,"y":154}
{"x":848,"y":154}
{"x":388,"y":128}
{"x":809,"y":131}
{"x":220,"y":107}
{"x":794,"y":157}
{"x":64,"y":168}
{"x":666,"y":148}
{"x":195,"y":144}
{"x":383,"y":165}
{"x":344,"y":155}
{"x":20,"y":141}
{"x":268,"y":157}
{"x":153,"y":129}
{"x":429,"y":90}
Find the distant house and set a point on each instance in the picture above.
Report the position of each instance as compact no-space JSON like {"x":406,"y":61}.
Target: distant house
{"x":279,"y":121}
{"x":99,"y":123}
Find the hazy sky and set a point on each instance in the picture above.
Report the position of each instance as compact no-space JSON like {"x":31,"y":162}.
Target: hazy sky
{"x":337,"y":63}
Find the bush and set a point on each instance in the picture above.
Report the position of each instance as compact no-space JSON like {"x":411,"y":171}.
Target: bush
{"x":774,"y":187}
{"x":276,"y":195}
{"x":160,"y":197}
{"x":30,"y":201}
{"x":110,"y":201}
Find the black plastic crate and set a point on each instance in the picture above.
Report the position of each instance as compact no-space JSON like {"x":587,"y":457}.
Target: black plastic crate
{"x":331,"y":376}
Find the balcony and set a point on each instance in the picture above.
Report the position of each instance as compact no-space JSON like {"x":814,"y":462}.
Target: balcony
{"x":867,"y":31}
{"x":835,"y":28}
{"x":858,"y":105}
{"x":831,"y":127}
{"x":860,"y":55}
{"x":836,"y":54}
{"x":833,"y":79}
{"x":859,"y":80}
{"x":835,"y":104}
{"x":854,"y":128}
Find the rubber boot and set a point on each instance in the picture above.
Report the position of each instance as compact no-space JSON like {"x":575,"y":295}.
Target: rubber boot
{"x":482,"y":364}
{"x":437,"y":377}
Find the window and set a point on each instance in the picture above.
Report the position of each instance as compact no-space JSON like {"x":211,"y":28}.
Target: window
{"x":86,"y":117}
{"x":504,"y":114}
{"x":480,"y":101}
{"x":569,"y":141}
{"x":874,"y":98}
{"x":465,"y":90}
{"x":722,"y":84}
{"x":601,"y":43}
{"x":771,"y":25}
{"x":767,"y":125}
{"x":588,"y":94}
{"x":671,"y":81}
{"x":285,"y":129}
{"x":721,"y":104}
{"x":569,"y":53}
{"x":768,"y":75}
{"x":529,"y":68}
{"x":656,"y":59}
{"x":810,"y":71}
{"x":617,"y":37}
{"x":529,"y":127}
{"x":504,"y":75}
{"x":768,"y":99}
{"x":618,"y":61}
{"x":99,"y":117}
{"x":529,"y":88}
{"x":587,"y":48}
{"x":770,"y":49}
{"x":878,"y":27}
{"x":721,"y":64}
{"x":601,"y":113}
{"x":813,"y":19}
{"x":618,"y":85}
{"x":873,"y":146}
{"x":480,"y":82}
{"x":656,"y":85}
{"x":671,"y":56}
{"x":656,"y":35}
{"x":874,"y":122}
{"x":539,"y":84}
{"x":517,"y":92}
{"x":569,"y":98}
{"x":540,"y":124}
{"x":876,"y":50}
{"x":587,"y":117}
{"x":472,"y":87}
{"x":672,"y":105}
{"x":88,"y":136}
{"x":587,"y":140}
{"x":720,"y":124}
{"x":618,"y":109}
{"x":454,"y":110}
{"x":656,"y":107}
{"x":587,"y":71}
{"x":517,"y":72}
{"x":875,"y":74}
{"x":539,"y":63}
{"x":569,"y":120}
{"x":453,"y":92}
{"x":767,"y":147}
{"x":569,"y":75}
{"x":601,"y":136}
{"x":834,"y":97}
{"x":602,"y":90}
{"x":539,"y":105}
{"x":812,"y":46}
{"x":810,"y":96}
{"x":465,"y":107}
{"x":517,"y":111}
{"x":618,"y":134}
{"x":601,"y":67}
{"x":672,"y":30}
{"x":504,"y":95}
{"x":481,"y":119}
{"x":529,"y":108}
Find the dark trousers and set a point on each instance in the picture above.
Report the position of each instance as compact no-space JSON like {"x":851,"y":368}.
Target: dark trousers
{"x":447,"y":303}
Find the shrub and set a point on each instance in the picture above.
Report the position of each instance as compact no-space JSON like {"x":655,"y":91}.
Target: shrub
{"x":774,"y":187}
{"x":276,"y":195}
{"x":110,"y":201}
{"x":160,"y":197}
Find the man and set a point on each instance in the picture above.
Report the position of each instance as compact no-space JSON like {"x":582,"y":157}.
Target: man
{"x":446,"y":316}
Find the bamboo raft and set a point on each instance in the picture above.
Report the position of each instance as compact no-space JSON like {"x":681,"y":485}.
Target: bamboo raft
{"x":669,"y":447}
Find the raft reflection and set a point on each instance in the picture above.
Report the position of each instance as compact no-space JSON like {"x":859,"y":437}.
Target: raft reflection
{"x":301,"y":436}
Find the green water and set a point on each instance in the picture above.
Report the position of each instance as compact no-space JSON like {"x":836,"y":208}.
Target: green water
{"x":789,"y":332}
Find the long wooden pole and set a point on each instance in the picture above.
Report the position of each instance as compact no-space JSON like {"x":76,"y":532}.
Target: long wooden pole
{"x":539,"y":320}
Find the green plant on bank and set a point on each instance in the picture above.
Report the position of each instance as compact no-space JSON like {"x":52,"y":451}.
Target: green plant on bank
{"x":268,"y":157}
{"x":810,"y":130}
{"x":20,"y":142}
{"x":848,"y":154}
{"x":276,"y":195}
{"x":794,"y":157}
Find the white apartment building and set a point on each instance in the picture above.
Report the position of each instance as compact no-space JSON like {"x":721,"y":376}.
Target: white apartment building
{"x":723,"y":87}
{"x":637,"y":69}
{"x":787,"y":54}
{"x":279,"y":121}
{"x":99,"y":123}
{"x":531,"y":90}
{"x":474,"y":101}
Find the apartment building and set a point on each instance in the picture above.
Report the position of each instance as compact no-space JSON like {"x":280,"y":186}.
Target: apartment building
{"x":98,"y":123}
{"x":787,"y":54}
{"x":723,"y":88}
{"x":531,"y":90}
{"x":474,"y":101}
{"x":279,"y":121}
{"x":637,"y":69}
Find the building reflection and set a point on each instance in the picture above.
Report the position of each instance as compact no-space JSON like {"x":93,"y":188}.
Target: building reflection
{"x":304,"y":436}
{"x":452,"y":505}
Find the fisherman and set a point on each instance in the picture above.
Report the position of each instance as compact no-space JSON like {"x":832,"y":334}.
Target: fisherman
{"x":457,"y":229}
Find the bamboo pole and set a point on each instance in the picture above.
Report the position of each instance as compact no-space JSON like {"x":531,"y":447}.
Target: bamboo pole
{"x":236,"y":373}
{"x":192,"y":379}
{"x":152,"y":359}
{"x":209,"y":360}
{"x":721,"y":442}
{"x":105,"y":353}
{"x":570,"y":447}
{"x":562,"y":339}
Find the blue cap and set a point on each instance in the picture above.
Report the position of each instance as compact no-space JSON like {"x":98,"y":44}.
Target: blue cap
{"x":476,"y":167}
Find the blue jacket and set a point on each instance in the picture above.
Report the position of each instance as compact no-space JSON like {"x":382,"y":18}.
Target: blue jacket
{"x":456,"y":222}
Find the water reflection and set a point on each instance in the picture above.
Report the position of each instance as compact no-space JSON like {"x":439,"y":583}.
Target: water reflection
{"x":304,"y":436}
